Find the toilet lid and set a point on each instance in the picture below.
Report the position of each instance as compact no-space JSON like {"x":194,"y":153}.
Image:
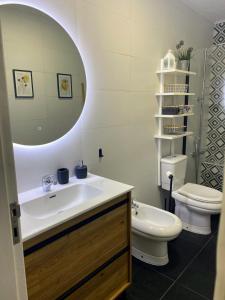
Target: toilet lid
{"x":201,"y":193}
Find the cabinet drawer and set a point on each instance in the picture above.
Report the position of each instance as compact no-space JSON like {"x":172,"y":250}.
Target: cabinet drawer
{"x":58,"y":266}
{"x":107,"y":283}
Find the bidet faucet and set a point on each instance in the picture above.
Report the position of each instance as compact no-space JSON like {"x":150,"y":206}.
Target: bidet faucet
{"x":47,"y":182}
{"x":135,"y":206}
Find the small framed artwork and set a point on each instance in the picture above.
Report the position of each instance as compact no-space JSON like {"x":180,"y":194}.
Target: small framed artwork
{"x":64,"y":82}
{"x":23,"y":84}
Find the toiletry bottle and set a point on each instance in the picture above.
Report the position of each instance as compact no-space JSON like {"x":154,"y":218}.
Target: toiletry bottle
{"x":81,"y":171}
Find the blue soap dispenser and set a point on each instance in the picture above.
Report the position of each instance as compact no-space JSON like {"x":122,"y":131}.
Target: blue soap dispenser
{"x":81,"y":171}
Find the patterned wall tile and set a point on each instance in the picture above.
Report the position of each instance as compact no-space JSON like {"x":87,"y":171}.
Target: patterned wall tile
{"x":216,"y":115}
{"x":212,"y":176}
{"x":212,"y":168}
{"x":219,"y":33}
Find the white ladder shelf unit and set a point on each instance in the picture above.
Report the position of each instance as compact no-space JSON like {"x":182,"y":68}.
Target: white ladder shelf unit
{"x":161,"y":97}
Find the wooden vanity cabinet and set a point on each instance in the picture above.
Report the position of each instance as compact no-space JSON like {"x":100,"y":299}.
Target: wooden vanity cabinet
{"x":88,"y":257}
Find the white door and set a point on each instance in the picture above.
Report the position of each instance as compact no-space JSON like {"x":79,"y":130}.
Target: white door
{"x":12,"y":274}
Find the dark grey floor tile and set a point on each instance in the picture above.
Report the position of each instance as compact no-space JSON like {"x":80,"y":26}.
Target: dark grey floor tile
{"x":147,"y":284}
{"x":200,"y":275}
{"x":195,"y":238}
{"x":215,"y":219}
{"x":178,"y":292}
{"x":180,"y":251}
{"x":197,"y":281}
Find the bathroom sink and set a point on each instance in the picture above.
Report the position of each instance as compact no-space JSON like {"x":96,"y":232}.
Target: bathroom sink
{"x":60,"y":201}
{"x":41,"y":211}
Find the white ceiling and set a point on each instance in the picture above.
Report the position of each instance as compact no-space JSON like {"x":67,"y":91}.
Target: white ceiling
{"x":213,"y":10}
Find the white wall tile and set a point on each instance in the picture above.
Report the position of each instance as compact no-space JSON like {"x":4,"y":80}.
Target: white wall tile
{"x":102,"y":28}
{"x":126,"y":158}
{"x":111,"y":71}
{"x":108,"y":108}
{"x":121,"y":7}
{"x":142,"y":77}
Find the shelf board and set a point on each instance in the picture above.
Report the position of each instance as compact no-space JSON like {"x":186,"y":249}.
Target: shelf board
{"x":173,"y":116}
{"x":173,"y":136}
{"x":175,"y":94}
{"x":176,"y":71}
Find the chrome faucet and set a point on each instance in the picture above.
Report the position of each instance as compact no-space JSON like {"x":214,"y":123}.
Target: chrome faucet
{"x":135,"y":206}
{"x":47,"y":182}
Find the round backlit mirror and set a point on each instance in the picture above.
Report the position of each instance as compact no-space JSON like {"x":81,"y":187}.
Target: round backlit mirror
{"x":45,"y":75}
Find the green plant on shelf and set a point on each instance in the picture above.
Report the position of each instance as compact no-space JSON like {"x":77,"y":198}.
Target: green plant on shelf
{"x":182,"y":52}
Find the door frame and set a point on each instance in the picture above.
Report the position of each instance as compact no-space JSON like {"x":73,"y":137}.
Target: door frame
{"x":12,"y":271}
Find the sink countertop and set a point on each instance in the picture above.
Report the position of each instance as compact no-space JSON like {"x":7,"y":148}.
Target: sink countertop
{"x":31,"y":226}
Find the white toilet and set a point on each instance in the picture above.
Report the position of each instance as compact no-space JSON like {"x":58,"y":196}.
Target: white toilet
{"x":152,"y":228}
{"x":194,"y":203}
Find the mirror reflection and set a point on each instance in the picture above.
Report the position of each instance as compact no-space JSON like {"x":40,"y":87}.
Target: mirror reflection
{"x":46,"y":80}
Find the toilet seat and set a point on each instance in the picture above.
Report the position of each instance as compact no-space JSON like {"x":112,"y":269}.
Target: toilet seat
{"x":213,"y":207}
{"x":201,"y":193}
{"x":206,"y":206}
{"x":199,"y":198}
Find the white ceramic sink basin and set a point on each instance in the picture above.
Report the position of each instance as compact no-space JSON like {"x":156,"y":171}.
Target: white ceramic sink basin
{"x":41,"y":211}
{"x":55,"y":203}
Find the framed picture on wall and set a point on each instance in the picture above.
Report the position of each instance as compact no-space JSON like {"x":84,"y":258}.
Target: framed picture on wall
{"x":64,"y":83}
{"x":23,"y":84}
